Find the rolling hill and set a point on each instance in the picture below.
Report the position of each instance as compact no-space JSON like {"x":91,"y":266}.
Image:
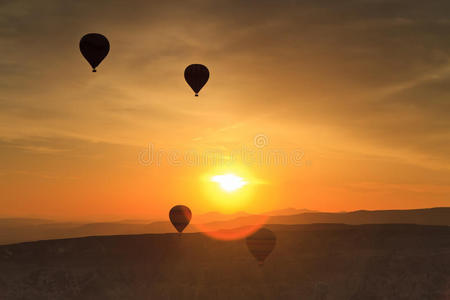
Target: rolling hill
{"x":21,"y":230}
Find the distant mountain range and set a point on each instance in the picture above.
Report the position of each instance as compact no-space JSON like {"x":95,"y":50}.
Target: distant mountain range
{"x":21,"y":230}
{"x":288,"y":211}
{"x":428,"y":216}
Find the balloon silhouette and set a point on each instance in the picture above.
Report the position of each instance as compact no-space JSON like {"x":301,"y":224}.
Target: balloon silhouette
{"x":261,"y":243}
{"x":94,"y":48}
{"x":180,"y":216}
{"x":196,"y":76}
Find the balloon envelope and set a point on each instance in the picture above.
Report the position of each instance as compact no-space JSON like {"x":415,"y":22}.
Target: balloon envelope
{"x":94,"y":48}
{"x":180,"y":216}
{"x":261,"y":243}
{"x":196,"y":76}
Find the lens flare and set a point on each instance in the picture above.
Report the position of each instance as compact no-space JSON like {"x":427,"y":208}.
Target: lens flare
{"x":235,"y":229}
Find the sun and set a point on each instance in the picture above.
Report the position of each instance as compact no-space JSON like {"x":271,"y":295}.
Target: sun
{"x":229,"y":189}
{"x":229,"y":182}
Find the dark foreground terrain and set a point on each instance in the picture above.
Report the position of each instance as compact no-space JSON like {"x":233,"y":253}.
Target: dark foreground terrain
{"x":319,"y":261}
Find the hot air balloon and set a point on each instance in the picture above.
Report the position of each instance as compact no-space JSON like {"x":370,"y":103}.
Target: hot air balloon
{"x":180,"y":216}
{"x":94,"y":48}
{"x":196,"y":76}
{"x":261,"y":243}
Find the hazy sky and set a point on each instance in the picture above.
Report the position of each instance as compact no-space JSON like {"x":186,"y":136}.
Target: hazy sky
{"x":360,"y":88}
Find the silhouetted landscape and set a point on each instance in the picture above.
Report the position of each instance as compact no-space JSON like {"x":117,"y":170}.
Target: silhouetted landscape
{"x":407,"y":260}
{"x":23,"y":230}
{"x":321,"y":261}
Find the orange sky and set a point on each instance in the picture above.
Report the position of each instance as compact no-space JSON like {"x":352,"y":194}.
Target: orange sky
{"x":361,"y":91}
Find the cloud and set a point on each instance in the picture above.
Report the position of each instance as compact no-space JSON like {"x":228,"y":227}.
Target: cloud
{"x":375,"y":71}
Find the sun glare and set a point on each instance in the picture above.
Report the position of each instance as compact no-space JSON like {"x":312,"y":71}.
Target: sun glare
{"x":229,"y":182}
